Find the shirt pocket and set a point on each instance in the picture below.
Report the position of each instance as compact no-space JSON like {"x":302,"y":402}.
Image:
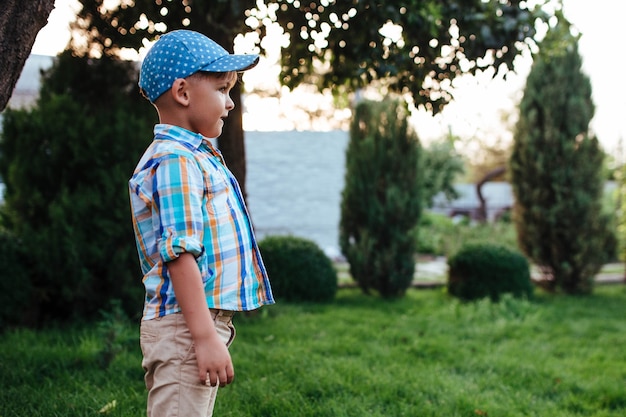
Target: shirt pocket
{"x":218,"y":193}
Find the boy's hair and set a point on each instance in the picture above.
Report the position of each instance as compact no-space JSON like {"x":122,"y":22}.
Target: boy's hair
{"x":181,"y":53}
{"x":230,"y":76}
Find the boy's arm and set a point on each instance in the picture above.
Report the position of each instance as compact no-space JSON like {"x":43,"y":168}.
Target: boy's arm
{"x":214,"y":362}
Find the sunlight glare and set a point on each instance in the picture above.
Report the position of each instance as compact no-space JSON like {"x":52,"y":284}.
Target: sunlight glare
{"x":599,"y":26}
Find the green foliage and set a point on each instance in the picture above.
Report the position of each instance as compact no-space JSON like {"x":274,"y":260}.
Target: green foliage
{"x":611,"y":213}
{"x":358,"y":54}
{"x":15,"y":287}
{"x":299,"y":269}
{"x":353,"y":47}
{"x":380,"y":205}
{"x":621,"y":213}
{"x":113,"y":333}
{"x":440,"y":235}
{"x":107,"y":29}
{"x":434,"y":233}
{"x":65,"y":164}
{"x":344,"y":37}
{"x":487,"y":270}
{"x":556,"y":169}
{"x":440,"y":165}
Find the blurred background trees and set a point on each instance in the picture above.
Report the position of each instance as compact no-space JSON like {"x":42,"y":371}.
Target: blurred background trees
{"x":557,"y":169}
{"x":416,"y":48}
{"x":381,"y":201}
{"x":441,"y":165}
{"x":65,"y":163}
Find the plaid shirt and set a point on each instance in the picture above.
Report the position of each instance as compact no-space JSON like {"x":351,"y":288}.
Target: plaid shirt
{"x":184,"y":199}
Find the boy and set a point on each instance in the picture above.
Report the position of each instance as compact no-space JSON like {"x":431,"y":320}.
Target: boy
{"x":198,"y":254}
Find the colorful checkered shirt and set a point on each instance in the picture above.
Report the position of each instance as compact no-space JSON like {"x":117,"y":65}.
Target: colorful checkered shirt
{"x":184,"y":199}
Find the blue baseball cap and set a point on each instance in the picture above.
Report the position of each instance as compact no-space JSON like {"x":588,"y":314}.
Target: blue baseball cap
{"x":181,"y":53}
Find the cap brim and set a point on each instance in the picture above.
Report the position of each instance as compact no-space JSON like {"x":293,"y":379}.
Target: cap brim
{"x":232,"y":63}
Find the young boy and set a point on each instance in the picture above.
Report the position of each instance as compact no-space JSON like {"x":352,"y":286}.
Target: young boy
{"x":198,"y":254}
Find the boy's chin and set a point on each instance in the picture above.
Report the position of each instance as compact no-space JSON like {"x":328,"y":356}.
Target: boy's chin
{"x":211,"y":133}
{"x":217,"y":130}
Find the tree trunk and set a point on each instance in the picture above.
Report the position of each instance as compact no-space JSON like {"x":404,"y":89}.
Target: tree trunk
{"x":20,"y":21}
{"x":231,"y":142}
{"x":482,"y":209}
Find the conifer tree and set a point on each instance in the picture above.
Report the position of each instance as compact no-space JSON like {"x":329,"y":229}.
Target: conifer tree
{"x":556,"y":169}
{"x":621,"y":214}
{"x":380,"y":205}
{"x":66,"y":164}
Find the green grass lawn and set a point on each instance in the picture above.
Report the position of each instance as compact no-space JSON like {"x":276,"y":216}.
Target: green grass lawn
{"x":423,"y":355}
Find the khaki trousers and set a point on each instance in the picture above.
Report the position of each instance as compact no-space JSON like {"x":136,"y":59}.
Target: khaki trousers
{"x":169,"y":362}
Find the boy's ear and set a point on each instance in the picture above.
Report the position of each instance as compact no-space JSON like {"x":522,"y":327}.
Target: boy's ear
{"x":180,"y":91}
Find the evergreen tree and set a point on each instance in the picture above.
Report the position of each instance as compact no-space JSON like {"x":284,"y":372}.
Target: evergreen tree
{"x":66,"y":164}
{"x":556,"y":169}
{"x":380,"y":205}
{"x":621,"y":214}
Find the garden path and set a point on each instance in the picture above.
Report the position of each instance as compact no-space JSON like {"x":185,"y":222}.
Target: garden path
{"x":432,"y":272}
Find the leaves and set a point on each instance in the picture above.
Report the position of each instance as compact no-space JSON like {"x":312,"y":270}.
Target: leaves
{"x":556,"y":169}
{"x":337,"y":45}
{"x":438,"y":39}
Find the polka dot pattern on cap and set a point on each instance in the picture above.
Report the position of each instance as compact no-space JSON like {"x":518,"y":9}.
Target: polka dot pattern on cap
{"x":179,"y":54}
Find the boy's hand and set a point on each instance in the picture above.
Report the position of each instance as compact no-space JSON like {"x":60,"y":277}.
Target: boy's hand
{"x":214,"y":362}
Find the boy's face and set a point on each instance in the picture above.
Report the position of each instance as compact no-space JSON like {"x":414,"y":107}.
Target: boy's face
{"x":210,"y":102}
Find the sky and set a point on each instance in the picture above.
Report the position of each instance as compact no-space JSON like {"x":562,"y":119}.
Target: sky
{"x":481,"y":103}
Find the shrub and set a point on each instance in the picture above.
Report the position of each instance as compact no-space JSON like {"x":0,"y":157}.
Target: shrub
{"x":15,"y":285}
{"x":380,"y":205}
{"x":298,"y":269}
{"x":66,"y":165}
{"x":486,"y":270}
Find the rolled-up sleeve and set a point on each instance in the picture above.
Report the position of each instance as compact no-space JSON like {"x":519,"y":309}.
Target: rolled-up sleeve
{"x":178,"y":190}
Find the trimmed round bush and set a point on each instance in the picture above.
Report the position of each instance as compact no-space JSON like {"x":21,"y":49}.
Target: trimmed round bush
{"x":298,"y":269}
{"x":485,"y":270}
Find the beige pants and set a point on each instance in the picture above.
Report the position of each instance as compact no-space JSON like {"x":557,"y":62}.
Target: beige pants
{"x":169,"y":360}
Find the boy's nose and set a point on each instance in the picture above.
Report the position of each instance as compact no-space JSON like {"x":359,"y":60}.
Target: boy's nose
{"x":230,"y":104}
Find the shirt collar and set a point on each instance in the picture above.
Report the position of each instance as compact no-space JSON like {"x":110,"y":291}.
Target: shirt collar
{"x":177,"y":133}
